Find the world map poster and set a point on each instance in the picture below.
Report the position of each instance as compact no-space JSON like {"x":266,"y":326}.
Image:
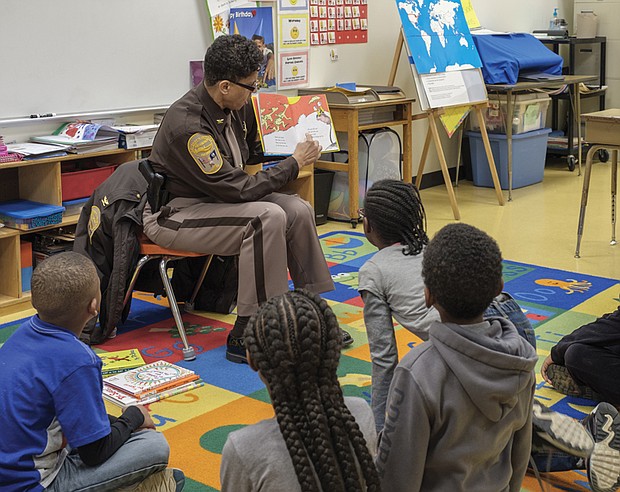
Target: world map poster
{"x":437,"y":35}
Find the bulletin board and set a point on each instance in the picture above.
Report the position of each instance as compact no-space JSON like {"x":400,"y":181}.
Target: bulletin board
{"x":338,"y":21}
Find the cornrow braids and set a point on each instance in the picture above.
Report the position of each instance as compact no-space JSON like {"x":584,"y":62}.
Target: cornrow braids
{"x":294,"y":341}
{"x":394,"y":209}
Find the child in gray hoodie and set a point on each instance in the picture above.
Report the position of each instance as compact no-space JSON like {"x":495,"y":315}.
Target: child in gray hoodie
{"x":459,"y":411}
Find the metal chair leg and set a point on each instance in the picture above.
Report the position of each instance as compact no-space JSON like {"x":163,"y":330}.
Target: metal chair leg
{"x":189,"y":305}
{"x":584,"y":197}
{"x":614,"y":188}
{"x":188,"y":351}
{"x":141,"y":262}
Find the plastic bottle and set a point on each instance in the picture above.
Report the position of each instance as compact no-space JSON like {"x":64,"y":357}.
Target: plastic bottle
{"x":553,"y":23}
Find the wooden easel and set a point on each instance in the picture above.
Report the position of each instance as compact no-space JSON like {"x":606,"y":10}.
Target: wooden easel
{"x":433,"y":132}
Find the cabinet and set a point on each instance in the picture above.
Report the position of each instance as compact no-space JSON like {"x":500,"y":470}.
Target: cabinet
{"x":37,"y":180}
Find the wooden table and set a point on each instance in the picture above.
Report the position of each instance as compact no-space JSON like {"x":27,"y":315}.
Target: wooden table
{"x":346,"y":118}
{"x":572,"y":81}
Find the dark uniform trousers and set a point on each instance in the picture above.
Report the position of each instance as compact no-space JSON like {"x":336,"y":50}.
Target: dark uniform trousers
{"x":269,"y":235}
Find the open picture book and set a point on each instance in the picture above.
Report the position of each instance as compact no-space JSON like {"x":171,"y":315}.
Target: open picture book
{"x":284,"y":121}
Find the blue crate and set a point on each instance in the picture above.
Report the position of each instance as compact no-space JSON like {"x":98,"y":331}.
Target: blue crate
{"x":26,"y":215}
{"x":529,"y":151}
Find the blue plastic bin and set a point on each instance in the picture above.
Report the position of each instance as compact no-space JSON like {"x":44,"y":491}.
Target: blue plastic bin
{"x":528,"y":158}
{"x":26,"y":215}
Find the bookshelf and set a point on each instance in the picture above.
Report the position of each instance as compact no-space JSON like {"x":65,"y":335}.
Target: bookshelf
{"x":38,"y":180}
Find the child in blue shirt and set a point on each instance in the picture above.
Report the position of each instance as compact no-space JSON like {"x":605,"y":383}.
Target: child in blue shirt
{"x":56,"y":434}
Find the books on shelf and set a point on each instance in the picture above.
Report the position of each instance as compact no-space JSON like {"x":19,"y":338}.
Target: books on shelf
{"x":150,"y":379}
{"x":120,"y":361}
{"x":78,"y":133}
{"x":284,"y":121}
{"x":135,"y":136}
{"x":31,"y":150}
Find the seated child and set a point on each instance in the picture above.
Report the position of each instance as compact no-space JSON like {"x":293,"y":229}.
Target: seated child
{"x":390,"y":283}
{"x":586,"y":363}
{"x":56,"y":434}
{"x":459,"y":411}
{"x":319,"y":440}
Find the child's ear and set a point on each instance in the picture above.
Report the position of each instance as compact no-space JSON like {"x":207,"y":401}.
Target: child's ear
{"x":93,"y":305}
{"x":429,"y":298}
{"x":366,"y":224}
{"x":501,"y":288}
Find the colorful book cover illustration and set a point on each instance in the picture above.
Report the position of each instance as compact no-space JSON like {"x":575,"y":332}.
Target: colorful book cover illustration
{"x":120,"y":361}
{"x":256,"y":23}
{"x":122,"y":399}
{"x":151,"y":379}
{"x":284,"y":122}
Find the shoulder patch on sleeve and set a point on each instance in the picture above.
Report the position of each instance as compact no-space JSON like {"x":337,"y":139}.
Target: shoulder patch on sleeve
{"x":204,"y":151}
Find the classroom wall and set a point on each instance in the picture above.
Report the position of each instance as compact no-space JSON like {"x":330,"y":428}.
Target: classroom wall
{"x":154,"y":56}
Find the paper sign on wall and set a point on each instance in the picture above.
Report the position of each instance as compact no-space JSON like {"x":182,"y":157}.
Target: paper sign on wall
{"x":293,"y":69}
{"x":292,"y":4}
{"x":293,"y":31}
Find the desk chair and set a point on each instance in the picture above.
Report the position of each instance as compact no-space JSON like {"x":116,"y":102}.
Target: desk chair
{"x":603,"y":133}
{"x":151,"y":251}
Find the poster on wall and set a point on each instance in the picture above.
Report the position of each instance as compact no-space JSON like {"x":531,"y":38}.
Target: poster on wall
{"x":338,"y":21}
{"x":219,"y":10}
{"x":292,"y":4}
{"x":256,"y":23}
{"x":293,"y":69}
{"x":293,"y":31}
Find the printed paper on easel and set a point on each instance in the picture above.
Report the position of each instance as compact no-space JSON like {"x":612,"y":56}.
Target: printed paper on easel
{"x":445,"y":89}
{"x":292,"y":4}
{"x":293,"y":69}
{"x":293,"y":31}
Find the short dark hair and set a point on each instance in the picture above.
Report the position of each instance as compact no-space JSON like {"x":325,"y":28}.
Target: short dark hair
{"x":394,"y":209}
{"x":257,"y":37}
{"x":462,"y":269}
{"x":232,"y":58}
{"x":63,"y":284}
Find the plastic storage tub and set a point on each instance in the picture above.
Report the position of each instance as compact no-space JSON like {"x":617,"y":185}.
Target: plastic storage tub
{"x":528,"y":158}
{"x":80,"y":184}
{"x":26,"y":215}
{"x":529,"y":113}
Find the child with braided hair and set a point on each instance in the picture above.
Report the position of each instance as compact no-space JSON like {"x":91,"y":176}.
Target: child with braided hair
{"x":390,"y":283}
{"x":320,"y":440}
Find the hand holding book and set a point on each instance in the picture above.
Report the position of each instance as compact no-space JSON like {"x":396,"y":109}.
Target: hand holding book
{"x":307,"y":152}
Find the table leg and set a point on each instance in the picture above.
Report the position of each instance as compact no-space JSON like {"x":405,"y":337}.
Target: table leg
{"x":584,"y":196}
{"x":614,"y":187}
{"x":490,"y":159}
{"x":578,"y":117}
{"x":509,"y":140}
{"x":407,"y":159}
{"x":353,"y":138}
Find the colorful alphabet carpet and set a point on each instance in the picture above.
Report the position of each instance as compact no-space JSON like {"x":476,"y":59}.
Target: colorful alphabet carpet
{"x":196,"y":423}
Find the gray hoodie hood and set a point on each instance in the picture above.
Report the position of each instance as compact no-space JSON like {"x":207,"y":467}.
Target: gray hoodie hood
{"x":489,"y":359}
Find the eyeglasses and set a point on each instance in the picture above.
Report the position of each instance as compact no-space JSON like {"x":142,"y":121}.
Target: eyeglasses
{"x":251,"y":88}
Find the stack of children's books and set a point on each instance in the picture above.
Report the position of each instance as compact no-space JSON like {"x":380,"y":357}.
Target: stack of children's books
{"x":149,"y":383}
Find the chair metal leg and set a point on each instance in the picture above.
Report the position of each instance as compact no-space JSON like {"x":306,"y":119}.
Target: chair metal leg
{"x":189,"y":305}
{"x":188,"y":351}
{"x":584,"y":196}
{"x":141,"y":262}
{"x":614,"y":188}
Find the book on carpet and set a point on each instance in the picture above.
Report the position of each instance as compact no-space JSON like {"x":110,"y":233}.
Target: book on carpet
{"x":284,"y":121}
{"x":120,"y":361}
{"x":151,"y":379}
{"x":123,"y":399}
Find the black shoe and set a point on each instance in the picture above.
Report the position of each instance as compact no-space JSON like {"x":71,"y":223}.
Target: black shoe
{"x":235,"y":350}
{"x":604,"y":463}
{"x":347,"y":339}
{"x":562,"y":381}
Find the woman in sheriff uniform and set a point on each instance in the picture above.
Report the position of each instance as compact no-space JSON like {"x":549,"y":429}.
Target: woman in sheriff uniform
{"x":214,"y":206}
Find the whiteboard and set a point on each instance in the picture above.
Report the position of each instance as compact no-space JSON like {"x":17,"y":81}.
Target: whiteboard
{"x":80,"y":56}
